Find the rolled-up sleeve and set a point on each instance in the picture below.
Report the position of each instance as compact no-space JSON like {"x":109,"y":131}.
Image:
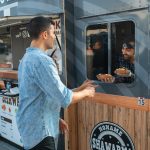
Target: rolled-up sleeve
{"x":49,"y":81}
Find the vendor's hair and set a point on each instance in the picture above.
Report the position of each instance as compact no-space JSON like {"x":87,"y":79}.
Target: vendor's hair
{"x":128,"y":39}
{"x":38,"y":25}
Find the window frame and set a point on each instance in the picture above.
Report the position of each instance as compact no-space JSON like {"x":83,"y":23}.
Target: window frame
{"x":108,"y":23}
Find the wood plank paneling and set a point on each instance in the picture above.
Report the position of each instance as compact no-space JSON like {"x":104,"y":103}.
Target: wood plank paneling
{"x":138,"y":122}
{"x":66,"y":118}
{"x":82,"y":134}
{"x":90,"y":121}
{"x":115,"y":114}
{"x":99,"y":112}
{"x":148,"y":130}
{"x":135,"y":120}
{"x":105,"y":112}
{"x":144,"y":130}
{"x":131,"y":123}
{"x":73,"y":131}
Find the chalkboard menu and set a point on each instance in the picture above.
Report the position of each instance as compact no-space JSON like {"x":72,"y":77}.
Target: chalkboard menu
{"x":20,"y":41}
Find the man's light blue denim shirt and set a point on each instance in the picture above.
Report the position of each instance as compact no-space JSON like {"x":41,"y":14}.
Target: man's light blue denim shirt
{"x":42,"y":94}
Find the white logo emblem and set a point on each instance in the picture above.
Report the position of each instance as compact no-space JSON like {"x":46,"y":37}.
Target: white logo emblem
{"x":110,"y":136}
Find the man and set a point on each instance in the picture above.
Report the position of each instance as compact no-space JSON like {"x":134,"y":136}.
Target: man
{"x":99,"y":56}
{"x":126,"y":61}
{"x":42,"y":93}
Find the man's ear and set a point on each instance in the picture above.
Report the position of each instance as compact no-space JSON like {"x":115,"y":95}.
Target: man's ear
{"x":44,"y":35}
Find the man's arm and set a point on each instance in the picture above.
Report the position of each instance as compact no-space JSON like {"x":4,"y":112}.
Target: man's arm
{"x":89,"y":91}
{"x":49,"y":81}
{"x":85,"y":84}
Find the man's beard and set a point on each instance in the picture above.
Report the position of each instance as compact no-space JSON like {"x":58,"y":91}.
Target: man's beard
{"x":126,"y":57}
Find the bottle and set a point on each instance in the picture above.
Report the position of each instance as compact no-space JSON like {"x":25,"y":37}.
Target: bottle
{"x":8,"y":86}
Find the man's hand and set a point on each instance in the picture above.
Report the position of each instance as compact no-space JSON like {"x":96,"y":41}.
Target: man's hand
{"x":63,"y":126}
{"x":85,"y":84}
{"x":87,"y":89}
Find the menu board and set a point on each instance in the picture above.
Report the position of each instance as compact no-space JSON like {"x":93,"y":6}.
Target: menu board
{"x":20,"y":40}
{"x":8,"y":126}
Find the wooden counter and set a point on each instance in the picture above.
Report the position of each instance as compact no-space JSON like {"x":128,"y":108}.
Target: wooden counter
{"x":5,"y":65}
{"x":121,"y":101}
{"x":121,"y":110}
{"x":8,"y":74}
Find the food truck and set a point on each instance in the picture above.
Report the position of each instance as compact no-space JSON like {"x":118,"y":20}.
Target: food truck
{"x":117,"y":117}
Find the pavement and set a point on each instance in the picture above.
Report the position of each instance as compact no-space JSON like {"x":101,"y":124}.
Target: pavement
{"x":6,"y":146}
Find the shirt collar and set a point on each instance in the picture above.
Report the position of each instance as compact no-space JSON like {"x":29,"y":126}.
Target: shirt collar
{"x":31,"y":49}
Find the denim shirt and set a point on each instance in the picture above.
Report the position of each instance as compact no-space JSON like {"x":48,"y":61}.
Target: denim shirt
{"x":42,"y":94}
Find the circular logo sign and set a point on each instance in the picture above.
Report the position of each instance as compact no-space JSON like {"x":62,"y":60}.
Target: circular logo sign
{"x":110,"y":136}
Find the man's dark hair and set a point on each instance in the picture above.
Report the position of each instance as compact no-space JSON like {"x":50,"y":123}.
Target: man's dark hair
{"x":129,"y":41}
{"x":38,"y":25}
{"x":94,"y":39}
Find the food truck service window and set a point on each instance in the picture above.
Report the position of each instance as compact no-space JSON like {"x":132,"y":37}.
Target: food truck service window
{"x":5,"y":46}
{"x":110,"y":52}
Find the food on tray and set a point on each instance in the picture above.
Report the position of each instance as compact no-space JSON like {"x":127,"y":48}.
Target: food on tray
{"x":105,"y":77}
{"x":122,"y":71}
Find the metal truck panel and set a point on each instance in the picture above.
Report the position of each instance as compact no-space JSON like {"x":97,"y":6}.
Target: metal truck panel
{"x":140,"y":18}
{"x":86,"y":8}
{"x":30,"y":7}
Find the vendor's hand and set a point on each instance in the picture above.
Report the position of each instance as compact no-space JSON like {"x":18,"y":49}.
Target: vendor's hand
{"x":63,"y":126}
{"x":107,"y":78}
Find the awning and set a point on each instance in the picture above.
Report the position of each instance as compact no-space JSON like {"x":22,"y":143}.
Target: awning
{"x":30,"y":7}
{"x":11,"y":21}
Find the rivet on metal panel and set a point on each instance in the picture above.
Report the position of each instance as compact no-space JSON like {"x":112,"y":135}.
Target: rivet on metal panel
{"x":149,"y":7}
{"x":141,"y":101}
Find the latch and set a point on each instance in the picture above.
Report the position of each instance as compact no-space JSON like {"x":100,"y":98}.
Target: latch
{"x":141,"y":101}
